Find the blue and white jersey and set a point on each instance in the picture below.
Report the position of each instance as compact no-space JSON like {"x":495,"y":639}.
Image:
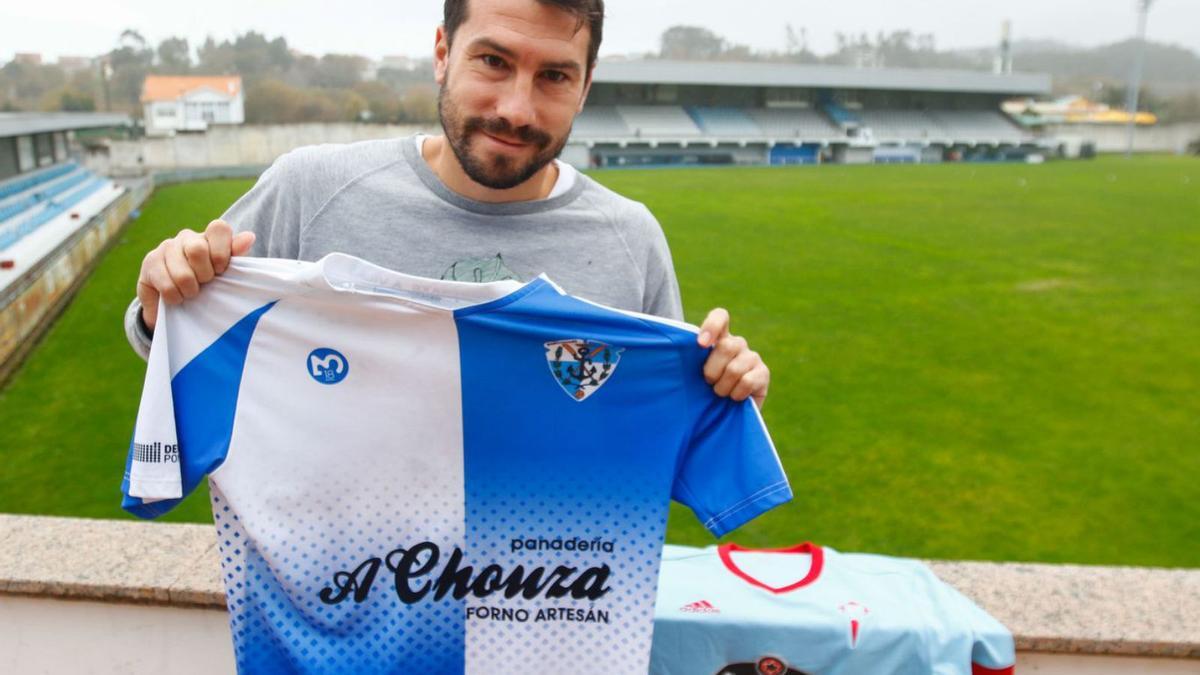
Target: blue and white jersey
{"x":420,"y":476}
{"x":809,"y":610}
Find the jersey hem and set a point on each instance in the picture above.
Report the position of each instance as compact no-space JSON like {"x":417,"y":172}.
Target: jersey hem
{"x":148,"y":511}
{"x":145,"y":489}
{"x":749,"y":508}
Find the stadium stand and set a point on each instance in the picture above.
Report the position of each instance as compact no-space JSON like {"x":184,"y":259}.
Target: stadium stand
{"x":659,"y":121}
{"x":726,"y":122}
{"x":979,"y":124}
{"x":47,"y":194}
{"x":600,"y":122}
{"x":15,"y":186}
{"x":642,"y":113}
{"x":947,"y":126}
{"x":795,"y":123}
{"x":903,"y":125}
{"x":840,"y":116}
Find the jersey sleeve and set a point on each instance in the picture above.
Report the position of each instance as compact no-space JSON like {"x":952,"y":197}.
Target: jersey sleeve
{"x":189,"y":399}
{"x":993,"y":651}
{"x":274,"y":209}
{"x":729,"y":472}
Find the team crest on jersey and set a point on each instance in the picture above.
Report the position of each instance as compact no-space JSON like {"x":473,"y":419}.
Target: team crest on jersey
{"x":581,"y":366}
{"x":857,"y":614}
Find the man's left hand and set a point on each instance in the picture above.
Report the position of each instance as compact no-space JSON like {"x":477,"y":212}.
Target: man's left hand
{"x":732,"y":369}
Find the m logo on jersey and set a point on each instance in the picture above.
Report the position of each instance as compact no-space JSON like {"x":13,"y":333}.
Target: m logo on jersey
{"x":327,"y":366}
{"x":581,"y":366}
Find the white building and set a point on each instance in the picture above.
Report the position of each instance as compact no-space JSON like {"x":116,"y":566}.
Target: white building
{"x":191,"y":103}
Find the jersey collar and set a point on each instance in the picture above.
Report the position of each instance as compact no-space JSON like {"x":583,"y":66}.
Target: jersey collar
{"x":814,"y":570}
{"x":343,"y":273}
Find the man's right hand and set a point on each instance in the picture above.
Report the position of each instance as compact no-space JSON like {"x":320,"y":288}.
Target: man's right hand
{"x":176,"y":269}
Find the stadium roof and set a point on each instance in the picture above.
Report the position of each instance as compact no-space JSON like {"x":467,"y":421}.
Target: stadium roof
{"x":21,"y":124}
{"x":733,"y":74}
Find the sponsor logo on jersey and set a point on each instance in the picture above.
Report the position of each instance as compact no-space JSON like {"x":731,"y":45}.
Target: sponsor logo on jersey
{"x":700,"y":607}
{"x":857,"y":614}
{"x":327,"y":366}
{"x":767,"y":665}
{"x":581,"y":366}
{"x":156,"y":452}
{"x":415,"y":577}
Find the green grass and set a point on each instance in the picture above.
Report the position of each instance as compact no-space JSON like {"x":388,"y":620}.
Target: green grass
{"x":979,"y":362}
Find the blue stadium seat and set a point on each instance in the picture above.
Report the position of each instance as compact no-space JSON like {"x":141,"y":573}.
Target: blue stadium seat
{"x":23,"y":183}
{"x":55,"y":201}
{"x":725,"y":121}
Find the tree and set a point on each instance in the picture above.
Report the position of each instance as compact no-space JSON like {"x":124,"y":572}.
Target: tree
{"x":383,"y":102}
{"x":131,"y":60}
{"x":419,"y":105}
{"x":272,"y":101}
{"x":691,"y":43}
{"x":339,"y":71}
{"x":132,"y":40}
{"x":1184,"y":108}
{"x":68,"y":99}
{"x":25,"y":84}
{"x":174,"y":56}
{"x":250,"y":55}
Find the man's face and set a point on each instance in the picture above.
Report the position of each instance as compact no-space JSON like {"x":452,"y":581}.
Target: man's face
{"x":511,"y":85}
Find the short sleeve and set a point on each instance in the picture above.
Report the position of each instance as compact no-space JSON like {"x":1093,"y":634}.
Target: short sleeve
{"x":729,"y":472}
{"x":992,"y":649}
{"x":152,"y":472}
{"x":189,"y":400}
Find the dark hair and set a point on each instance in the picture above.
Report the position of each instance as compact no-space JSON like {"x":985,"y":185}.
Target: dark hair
{"x":586,"y":12}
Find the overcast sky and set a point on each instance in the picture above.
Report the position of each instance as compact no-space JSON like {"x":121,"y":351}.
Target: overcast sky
{"x":61,"y":27}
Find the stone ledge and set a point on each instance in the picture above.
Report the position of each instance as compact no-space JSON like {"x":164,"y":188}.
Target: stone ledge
{"x":1079,"y":609}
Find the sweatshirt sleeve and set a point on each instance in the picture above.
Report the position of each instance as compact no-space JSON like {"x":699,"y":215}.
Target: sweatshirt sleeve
{"x":661,"y":296}
{"x":268,"y":211}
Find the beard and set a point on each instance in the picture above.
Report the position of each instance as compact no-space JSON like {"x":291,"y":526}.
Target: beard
{"x":498,"y":172}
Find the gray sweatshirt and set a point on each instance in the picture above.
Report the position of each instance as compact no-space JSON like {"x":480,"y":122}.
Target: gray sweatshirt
{"x":380,"y":201}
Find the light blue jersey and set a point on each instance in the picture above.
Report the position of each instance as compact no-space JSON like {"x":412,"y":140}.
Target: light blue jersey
{"x":420,"y":476}
{"x":809,"y":610}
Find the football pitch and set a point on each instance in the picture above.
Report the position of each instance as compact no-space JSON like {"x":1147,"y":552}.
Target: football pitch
{"x":995,"y":362}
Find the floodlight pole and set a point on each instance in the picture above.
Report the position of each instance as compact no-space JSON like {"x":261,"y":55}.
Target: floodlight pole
{"x":1135,"y":78}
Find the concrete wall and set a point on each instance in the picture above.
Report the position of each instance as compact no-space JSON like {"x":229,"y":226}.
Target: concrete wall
{"x":246,"y":145}
{"x":31,"y":303}
{"x":43,"y":635}
{"x":1113,"y":138}
{"x":47,"y":635}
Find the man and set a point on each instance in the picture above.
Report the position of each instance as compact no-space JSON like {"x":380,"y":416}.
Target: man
{"x":485,"y":201}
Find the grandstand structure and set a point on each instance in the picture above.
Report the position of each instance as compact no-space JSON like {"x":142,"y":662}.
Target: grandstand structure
{"x":674,"y":112}
{"x":42,"y":187}
{"x":55,"y":217}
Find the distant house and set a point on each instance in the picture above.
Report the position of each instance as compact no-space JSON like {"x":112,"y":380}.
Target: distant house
{"x":191,"y":102}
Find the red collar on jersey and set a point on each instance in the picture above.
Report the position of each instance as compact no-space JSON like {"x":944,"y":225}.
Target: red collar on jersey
{"x":814,"y":570}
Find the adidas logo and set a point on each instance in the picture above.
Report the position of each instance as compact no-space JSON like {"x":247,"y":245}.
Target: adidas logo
{"x":700,"y":607}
